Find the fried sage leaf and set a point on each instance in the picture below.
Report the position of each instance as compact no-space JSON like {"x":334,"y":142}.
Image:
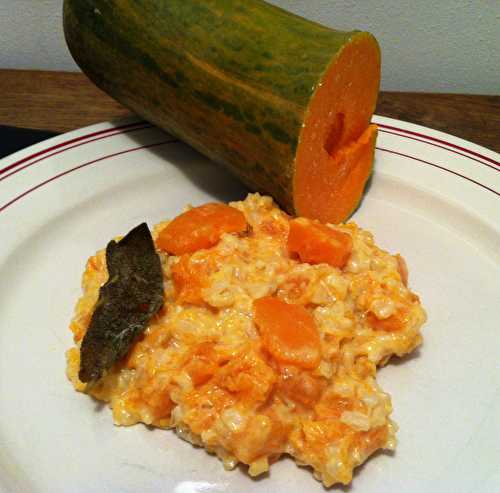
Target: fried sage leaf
{"x":127,"y":301}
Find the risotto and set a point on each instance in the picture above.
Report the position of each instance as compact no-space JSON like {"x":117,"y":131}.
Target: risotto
{"x":268,"y":341}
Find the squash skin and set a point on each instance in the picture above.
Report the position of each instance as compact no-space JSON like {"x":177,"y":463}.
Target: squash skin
{"x":232,"y":78}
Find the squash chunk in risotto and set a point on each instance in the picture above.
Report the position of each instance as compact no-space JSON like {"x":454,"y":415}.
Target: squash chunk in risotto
{"x":267,"y":342}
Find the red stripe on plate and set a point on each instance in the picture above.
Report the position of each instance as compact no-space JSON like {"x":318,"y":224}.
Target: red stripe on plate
{"x":71,"y":141}
{"x":59,"y":175}
{"x":441,"y":147}
{"x":418,"y":134}
{"x":119,"y":132}
{"x":440,"y":167}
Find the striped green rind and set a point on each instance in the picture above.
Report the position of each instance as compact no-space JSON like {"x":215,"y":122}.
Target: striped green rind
{"x":233,"y":78}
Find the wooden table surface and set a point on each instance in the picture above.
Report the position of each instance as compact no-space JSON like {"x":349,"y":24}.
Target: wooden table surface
{"x":63,"y":101}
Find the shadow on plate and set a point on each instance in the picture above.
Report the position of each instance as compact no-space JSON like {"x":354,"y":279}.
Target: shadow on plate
{"x":198,"y":169}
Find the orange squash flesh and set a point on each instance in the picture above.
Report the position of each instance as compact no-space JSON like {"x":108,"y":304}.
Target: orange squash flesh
{"x":189,"y":279}
{"x":337,"y":143}
{"x":316,"y":243}
{"x":200,"y":227}
{"x":288,"y":332}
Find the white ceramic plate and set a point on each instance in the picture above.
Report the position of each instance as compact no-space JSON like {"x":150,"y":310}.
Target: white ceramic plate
{"x":433,"y":197}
